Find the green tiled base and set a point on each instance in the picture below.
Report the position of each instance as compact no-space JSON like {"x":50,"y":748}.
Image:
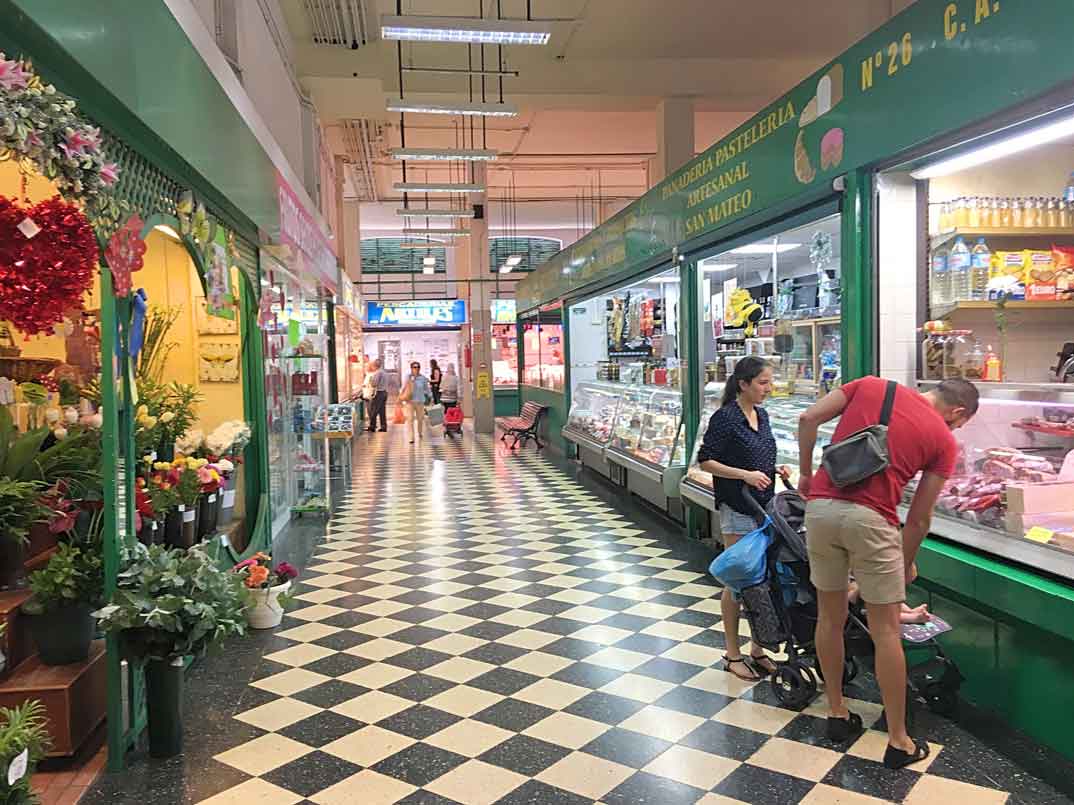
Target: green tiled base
{"x":1012,"y":637}
{"x":505,"y":402}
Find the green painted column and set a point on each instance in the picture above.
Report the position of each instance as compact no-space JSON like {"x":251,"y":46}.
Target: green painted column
{"x":859,"y":281}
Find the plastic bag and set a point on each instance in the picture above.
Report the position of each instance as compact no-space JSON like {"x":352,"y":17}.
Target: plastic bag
{"x":435,"y":415}
{"x":743,"y":564}
{"x":398,"y":418}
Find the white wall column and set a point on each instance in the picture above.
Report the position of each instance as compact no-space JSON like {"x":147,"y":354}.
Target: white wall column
{"x":674,"y":137}
{"x":480,"y":315}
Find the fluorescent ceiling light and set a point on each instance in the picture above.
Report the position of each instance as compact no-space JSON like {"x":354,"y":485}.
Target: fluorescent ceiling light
{"x":465,"y":30}
{"x":444,"y":232}
{"x":428,"y":261}
{"x":444,"y":154}
{"x":167,"y":230}
{"x":664,"y":279}
{"x":1002,"y":148}
{"x":715,"y":267}
{"x":505,"y":269}
{"x":432,"y":187}
{"x":428,"y":269}
{"x":417,"y":212}
{"x":453,"y":108}
{"x":514,"y":260}
{"x":765,"y":248}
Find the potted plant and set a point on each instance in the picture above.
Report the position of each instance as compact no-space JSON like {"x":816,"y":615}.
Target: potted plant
{"x":156,"y":501}
{"x":209,"y":504}
{"x":20,"y":507}
{"x":64,"y":594}
{"x":269,"y":589}
{"x":170,"y":604}
{"x":227,"y":492}
{"x":181,"y":525}
{"x":24,"y":741}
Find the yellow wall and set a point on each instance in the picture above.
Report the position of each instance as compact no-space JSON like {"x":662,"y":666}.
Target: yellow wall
{"x":169,"y":278}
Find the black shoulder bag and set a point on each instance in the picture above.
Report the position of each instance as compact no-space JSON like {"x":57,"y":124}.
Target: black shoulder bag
{"x":864,"y":453}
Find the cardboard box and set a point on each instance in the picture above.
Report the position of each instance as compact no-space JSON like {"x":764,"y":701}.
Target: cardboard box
{"x":1056,"y":496}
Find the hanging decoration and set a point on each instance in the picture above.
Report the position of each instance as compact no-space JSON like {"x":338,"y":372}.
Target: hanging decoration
{"x":125,"y":253}
{"x":46,"y":275}
{"x":41,"y":129}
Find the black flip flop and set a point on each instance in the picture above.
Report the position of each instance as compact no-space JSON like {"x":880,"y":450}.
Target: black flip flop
{"x":728,"y":662}
{"x":895,"y":758}
{"x":760,"y":670}
{"x":843,"y":730}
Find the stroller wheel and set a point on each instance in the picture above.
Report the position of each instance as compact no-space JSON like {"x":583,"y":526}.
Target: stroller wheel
{"x":794,"y":685}
{"x":850,"y":670}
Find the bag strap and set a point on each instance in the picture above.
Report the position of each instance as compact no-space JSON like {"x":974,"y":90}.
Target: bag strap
{"x":889,"y":403}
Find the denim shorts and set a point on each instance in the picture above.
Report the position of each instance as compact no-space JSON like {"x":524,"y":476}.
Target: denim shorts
{"x":732,"y":522}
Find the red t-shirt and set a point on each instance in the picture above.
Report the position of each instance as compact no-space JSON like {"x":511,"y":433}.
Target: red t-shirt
{"x":918,"y":441}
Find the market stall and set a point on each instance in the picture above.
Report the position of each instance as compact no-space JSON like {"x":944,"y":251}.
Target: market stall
{"x":504,"y":357}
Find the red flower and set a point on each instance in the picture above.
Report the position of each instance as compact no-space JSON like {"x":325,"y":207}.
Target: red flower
{"x":285,"y":572}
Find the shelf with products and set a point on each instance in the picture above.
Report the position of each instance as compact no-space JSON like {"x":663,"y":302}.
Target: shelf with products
{"x":309,"y":422}
{"x":1013,"y":489}
{"x":594,"y":407}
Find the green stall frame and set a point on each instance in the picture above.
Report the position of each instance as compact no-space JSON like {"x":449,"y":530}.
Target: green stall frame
{"x":934,"y":72}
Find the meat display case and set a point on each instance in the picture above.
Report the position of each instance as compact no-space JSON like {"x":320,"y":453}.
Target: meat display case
{"x":1013,"y":491}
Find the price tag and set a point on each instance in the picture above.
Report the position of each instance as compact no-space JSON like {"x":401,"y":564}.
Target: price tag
{"x":1039,"y":534}
{"x":17,"y":770}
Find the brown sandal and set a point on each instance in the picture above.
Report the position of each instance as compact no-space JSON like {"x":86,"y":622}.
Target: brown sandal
{"x":729,"y":667}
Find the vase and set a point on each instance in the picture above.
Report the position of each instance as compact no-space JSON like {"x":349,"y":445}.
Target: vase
{"x":63,"y":636}
{"x":207,"y":515}
{"x":267,"y":612}
{"x":181,"y":527}
{"x":12,"y":557}
{"x":149,"y":535}
{"x":164,"y":700}
{"x":173,"y":528}
{"x":227,"y":507}
{"x":166,"y":451}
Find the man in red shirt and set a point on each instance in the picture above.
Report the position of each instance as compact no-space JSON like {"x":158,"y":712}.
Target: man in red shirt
{"x":856,"y":529}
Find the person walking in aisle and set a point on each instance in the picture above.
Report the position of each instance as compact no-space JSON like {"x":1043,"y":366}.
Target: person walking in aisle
{"x":740,"y":452}
{"x":415,"y":395}
{"x":435,"y":377}
{"x":449,"y":387}
{"x":378,"y":406}
{"x":855,"y":529}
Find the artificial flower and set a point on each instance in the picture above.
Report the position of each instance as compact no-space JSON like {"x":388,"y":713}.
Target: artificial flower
{"x":225,"y":466}
{"x":12,"y":76}
{"x":257,"y":577}
{"x":60,"y":434}
{"x":52,"y":416}
{"x":143,"y":410}
{"x":167,"y":417}
{"x":70,"y":415}
{"x":162,"y":466}
{"x":109,"y":173}
{"x":286,"y":571}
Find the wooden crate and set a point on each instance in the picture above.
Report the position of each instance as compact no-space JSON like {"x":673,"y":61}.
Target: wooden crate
{"x":75,"y":696}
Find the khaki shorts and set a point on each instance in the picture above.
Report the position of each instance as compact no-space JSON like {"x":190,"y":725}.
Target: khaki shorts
{"x":846,"y":537}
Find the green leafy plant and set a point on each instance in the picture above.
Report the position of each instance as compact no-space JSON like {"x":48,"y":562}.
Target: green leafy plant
{"x":72,"y":576}
{"x":22,"y":729}
{"x":75,"y":460}
{"x":188,"y":487}
{"x":20,"y":508}
{"x":174,"y":603}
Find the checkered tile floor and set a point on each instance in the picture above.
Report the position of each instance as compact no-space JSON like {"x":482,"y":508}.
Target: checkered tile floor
{"x":477,"y":629}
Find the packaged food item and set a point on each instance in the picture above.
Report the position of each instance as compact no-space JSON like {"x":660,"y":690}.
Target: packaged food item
{"x":1008,"y":275}
{"x":1064,"y":272}
{"x":1040,"y":276}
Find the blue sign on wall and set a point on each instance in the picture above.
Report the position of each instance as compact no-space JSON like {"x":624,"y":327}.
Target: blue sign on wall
{"x":417,"y":313}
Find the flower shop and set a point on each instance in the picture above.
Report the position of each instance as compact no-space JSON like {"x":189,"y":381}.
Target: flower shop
{"x":133,"y":471}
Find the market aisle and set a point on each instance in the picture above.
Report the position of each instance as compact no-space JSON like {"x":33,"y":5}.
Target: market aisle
{"x":478,"y":628}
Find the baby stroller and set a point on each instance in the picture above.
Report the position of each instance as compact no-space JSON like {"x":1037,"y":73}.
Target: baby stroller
{"x":453,"y":421}
{"x":782,"y":613}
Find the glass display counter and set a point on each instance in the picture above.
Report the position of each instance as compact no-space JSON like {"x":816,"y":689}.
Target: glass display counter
{"x":646,"y":442}
{"x":1012,"y":494}
{"x":593,"y":413}
{"x":783,"y":413}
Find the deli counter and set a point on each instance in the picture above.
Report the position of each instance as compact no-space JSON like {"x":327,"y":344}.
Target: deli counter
{"x":783,"y":413}
{"x":632,"y":434}
{"x":1012,"y":494}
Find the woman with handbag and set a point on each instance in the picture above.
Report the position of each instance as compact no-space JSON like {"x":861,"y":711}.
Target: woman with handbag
{"x":739,"y":451}
{"x":415,"y":395}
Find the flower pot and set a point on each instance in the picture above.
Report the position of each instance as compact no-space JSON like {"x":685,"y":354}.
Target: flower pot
{"x":63,"y":636}
{"x":227,"y":507}
{"x":267,"y":612}
{"x":150,"y":533}
{"x":164,"y":700}
{"x":12,"y":557}
{"x":207,"y":515}
{"x":173,"y":528}
{"x":181,"y":527}
{"x":166,"y":451}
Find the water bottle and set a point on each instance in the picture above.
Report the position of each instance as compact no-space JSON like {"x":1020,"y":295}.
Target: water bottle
{"x":940,"y":286}
{"x":958,"y":271}
{"x":1068,"y":191}
{"x":980,"y":267}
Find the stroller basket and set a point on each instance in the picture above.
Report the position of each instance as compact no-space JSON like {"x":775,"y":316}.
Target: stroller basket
{"x":764,"y":613}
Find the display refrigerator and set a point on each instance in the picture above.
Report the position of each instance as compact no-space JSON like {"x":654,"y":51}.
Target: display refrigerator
{"x":646,"y":447}
{"x":783,"y":412}
{"x":590,"y":421}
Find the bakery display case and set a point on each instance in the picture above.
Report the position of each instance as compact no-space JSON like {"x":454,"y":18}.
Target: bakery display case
{"x":646,"y":443}
{"x":658,"y":441}
{"x":1012,"y":493}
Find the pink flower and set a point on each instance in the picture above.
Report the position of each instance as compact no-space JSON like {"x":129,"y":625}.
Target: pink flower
{"x":84,"y":140}
{"x":12,"y":76}
{"x":61,"y":522}
{"x":287,"y":571}
{"x":109,"y":173}
{"x":245,"y":563}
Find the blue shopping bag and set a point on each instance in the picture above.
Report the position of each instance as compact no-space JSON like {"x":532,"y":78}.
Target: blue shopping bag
{"x":743,"y":564}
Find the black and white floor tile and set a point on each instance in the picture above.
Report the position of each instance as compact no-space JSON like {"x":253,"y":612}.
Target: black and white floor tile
{"x":478,"y":628}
